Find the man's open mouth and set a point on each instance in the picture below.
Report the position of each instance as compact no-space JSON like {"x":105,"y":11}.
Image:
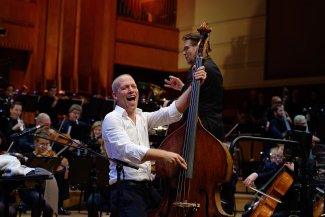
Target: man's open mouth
{"x":130,"y":98}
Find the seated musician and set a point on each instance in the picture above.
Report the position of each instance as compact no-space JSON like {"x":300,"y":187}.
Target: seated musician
{"x":270,"y":168}
{"x":74,"y":127}
{"x":96,"y":142}
{"x":96,"y":197}
{"x":31,"y":197}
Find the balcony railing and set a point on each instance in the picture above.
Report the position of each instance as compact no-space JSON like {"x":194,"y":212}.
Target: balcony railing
{"x":161,"y":12}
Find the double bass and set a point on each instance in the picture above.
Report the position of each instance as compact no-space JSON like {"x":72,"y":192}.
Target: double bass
{"x":195,"y":191}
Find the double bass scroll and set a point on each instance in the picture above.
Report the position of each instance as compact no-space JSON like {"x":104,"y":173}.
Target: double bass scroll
{"x":195,"y":191}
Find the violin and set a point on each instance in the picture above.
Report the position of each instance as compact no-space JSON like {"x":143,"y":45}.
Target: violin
{"x":64,"y":139}
{"x":64,"y":165}
{"x":318,"y":208}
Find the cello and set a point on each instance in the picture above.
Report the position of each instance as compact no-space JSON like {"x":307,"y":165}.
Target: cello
{"x":266,"y":206}
{"x":195,"y":191}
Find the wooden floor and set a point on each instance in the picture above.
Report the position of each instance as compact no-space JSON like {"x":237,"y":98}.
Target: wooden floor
{"x":242,"y":196}
{"x":74,"y":213}
{"x":83,"y":213}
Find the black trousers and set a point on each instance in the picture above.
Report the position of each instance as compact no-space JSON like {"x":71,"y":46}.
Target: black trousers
{"x":133,"y":199}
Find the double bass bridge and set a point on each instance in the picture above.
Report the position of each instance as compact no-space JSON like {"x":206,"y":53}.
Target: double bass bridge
{"x":186,"y":204}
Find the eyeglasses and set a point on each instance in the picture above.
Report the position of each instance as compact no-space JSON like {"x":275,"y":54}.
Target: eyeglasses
{"x":43,"y":145}
{"x":186,"y":48}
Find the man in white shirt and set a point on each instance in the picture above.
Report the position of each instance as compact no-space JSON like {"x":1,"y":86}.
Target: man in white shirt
{"x":125,"y":133}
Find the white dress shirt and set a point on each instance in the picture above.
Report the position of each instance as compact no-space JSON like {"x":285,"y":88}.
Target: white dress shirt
{"x":129,"y":141}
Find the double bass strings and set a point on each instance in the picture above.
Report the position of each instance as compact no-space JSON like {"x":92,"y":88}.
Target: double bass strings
{"x":190,"y":137}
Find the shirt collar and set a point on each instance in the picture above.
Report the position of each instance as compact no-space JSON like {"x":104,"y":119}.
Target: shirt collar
{"x":123,"y":113}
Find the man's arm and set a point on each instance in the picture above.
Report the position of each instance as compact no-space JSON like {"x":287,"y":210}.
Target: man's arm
{"x":171,"y":157}
{"x":183,"y":101}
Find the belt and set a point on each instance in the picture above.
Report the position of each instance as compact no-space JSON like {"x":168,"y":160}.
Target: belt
{"x":132,"y":183}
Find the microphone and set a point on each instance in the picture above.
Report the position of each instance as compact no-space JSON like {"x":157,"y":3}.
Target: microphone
{"x":26,"y":131}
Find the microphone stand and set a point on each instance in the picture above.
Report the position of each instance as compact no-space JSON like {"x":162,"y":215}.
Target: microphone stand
{"x":83,"y":147}
{"x":119,"y":164}
{"x":16,"y":136}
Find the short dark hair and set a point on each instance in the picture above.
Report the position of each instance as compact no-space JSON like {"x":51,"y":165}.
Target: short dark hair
{"x":16,"y":103}
{"x":52,"y":87}
{"x":195,"y":37}
{"x":276,"y":107}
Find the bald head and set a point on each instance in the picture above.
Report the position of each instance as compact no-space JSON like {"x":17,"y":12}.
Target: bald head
{"x":43,"y":119}
{"x":116,"y":82}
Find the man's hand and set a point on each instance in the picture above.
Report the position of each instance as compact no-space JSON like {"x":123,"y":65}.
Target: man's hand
{"x":249,"y":181}
{"x":200,"y":74}
{"x":174,"y":83}
{"x":175,"y":158}
{"x":170,"y":157}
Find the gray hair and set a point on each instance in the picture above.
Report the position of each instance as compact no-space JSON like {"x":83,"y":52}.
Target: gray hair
{"x":301,"y":118}
{"x":298,"y":119}
{"x":40,"y":116}
{"x":115,"y":84}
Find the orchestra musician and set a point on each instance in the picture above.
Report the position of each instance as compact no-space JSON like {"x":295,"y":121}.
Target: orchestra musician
{"x":75,"y":128}
{"x":96,"y":142}
{"x":97,"y":197}
{"x":125,"y":133}
{"x":31,"y":197}
{"x":210,"y":105}
{"x":260,"y":178}
{"x":47,"y":104}
{"x":6,"y":100}
{"x":14,"y":124}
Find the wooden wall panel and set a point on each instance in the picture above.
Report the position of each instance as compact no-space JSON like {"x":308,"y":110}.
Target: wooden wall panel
{"x":149,"y":58}
{"x":18,"y":37}
{"x":146,"y":46}
{"x":51,"y":51}
{"x":21,"y":21}
{"x":86,"y":45}
{"x":67,"y":40}
{"x":147,"y":35}
{"x":103,"y":50}
{"x":19,"y":12}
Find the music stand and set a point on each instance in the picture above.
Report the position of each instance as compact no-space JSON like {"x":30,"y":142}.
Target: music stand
{"x":48,"y":163}
{"x":63,"y":105}
{"x":106,"y":107}
{"x":30,"y":102}
{"x":89,"y":171}
{"x":79,"y":172}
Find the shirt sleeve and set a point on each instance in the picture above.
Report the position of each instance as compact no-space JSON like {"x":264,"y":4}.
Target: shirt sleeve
{"x":164,"y":116}
{"x":117,"y":142}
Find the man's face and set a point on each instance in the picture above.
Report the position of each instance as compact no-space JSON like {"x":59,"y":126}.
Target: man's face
{"x":280,"y":112}
{"x":16,"y":111}
{"x":127,"y":94}
{"x":189,"y":52}
{"x":52,"y":92}
{"x":74,"y":115}
{"x":45,"y":121}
